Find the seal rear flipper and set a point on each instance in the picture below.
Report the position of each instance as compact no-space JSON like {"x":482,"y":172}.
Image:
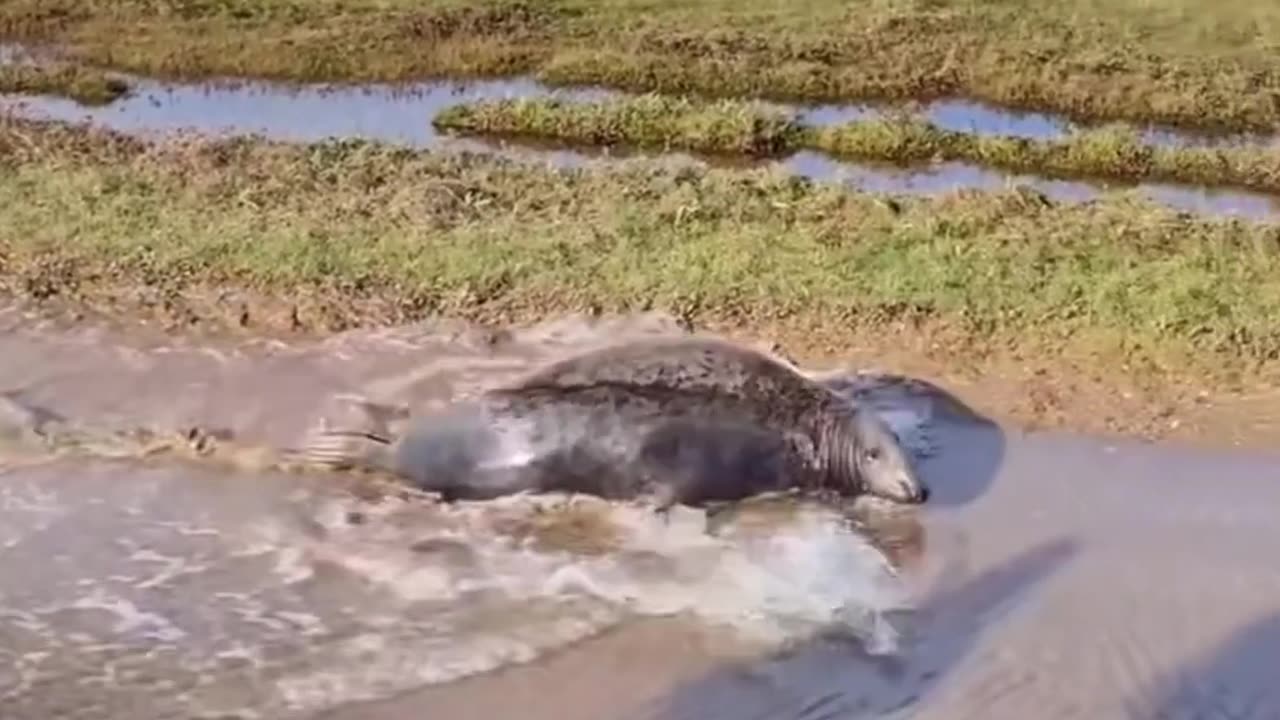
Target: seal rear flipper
{"x":341,"y":450}
{"x":360,"y":437}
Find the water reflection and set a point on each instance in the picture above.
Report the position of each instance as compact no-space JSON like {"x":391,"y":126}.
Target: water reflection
{"x":305,"y":113}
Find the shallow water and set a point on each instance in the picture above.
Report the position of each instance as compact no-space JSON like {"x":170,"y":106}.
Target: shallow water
{"x":402,"y":114}
{"x":951,"y":176}
{"x":1051,"y":577}
{"x":979,"y":118}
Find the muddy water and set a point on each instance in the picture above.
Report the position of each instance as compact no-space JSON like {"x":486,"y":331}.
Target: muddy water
{"x":217,"y":585}
{"x":1053,"y":576}
{"x":402,"y":114}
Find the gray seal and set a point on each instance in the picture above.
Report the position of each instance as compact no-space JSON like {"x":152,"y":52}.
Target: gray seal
{"x":858,"y":450}
{"x":687,"y":420}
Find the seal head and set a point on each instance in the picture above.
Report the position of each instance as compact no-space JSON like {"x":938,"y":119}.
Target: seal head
{"x":870,"y":454}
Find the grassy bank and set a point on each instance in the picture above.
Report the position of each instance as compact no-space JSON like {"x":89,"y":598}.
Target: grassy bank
{"x":478,"y":237}
{"x":716,"y":127}
{"x":1182,"y":61}
{"x":735,"y":126}
{"x":83,"y":85}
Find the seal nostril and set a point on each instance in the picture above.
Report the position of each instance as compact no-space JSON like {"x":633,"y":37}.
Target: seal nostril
{"x":924,"y":493}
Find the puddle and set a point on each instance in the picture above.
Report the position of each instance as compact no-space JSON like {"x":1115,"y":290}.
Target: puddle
{"x":933,"y":179}
{"x":981,"y":119}
{"x":402,"y":114}
{"x":395,"y":114}
{"x":1046,"y":563}
{"x":951,"y":176}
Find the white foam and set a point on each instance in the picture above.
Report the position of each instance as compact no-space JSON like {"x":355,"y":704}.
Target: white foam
{"x":500,"y":597}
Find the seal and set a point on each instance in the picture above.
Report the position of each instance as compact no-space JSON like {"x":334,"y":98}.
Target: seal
{"x":851,"y":442}
{"x":686,"y":420}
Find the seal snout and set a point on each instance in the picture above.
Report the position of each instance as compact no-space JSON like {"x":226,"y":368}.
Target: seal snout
{"x":915,"y":492}
{"x":903,"y":490}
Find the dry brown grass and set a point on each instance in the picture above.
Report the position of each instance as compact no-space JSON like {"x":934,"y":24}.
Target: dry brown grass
{"x":78,"y":83}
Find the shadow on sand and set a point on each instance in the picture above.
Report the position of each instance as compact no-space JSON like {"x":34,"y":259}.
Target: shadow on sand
{"x":830,"y":679}
{"x":1240,"y":681}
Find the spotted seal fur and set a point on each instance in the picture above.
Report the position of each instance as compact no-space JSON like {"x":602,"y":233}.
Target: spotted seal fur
{"x":768,"y":390}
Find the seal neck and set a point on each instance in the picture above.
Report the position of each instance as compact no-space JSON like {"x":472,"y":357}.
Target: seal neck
{"x":837,"y":455}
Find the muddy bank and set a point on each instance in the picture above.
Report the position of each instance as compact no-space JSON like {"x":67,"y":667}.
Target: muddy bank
{"x":402,"y":114}
{"x":199,"y":586}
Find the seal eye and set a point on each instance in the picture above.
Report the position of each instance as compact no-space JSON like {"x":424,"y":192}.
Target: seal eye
{"x":872,"y":453}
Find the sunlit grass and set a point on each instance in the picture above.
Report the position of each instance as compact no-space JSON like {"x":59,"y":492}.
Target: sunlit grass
{"x":1183,"y":61}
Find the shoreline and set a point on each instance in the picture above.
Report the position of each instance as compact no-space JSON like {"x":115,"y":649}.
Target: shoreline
{"x":1070,"y":394}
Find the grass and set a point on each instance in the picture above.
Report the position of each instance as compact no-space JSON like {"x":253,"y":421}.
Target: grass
{"x":1188,"y":62}
{"x":717,"y":127}
{"x":1110,"y":152}
{"x":749,"y":128}
{"x":83,"y":85}
{"x":479,"y":237}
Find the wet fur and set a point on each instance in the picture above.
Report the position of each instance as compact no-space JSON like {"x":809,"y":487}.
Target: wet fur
{"x":685,"y":420}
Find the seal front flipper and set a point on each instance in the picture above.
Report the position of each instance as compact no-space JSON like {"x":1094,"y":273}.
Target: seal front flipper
{"x":718,"y":514}
{"x":661,"y":497}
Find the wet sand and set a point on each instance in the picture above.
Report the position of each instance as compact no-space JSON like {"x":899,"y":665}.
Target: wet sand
{"x":1053,"y":576}
{"x":402,"y":114}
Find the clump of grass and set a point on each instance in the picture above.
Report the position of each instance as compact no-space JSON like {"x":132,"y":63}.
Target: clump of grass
{"x":88,"y":87}
{"x":1123,"y":60}
{"x":724,"y":126}
{"x":474,"y":236}
{"x":1109,"y":152}
{"x":730,"y":126}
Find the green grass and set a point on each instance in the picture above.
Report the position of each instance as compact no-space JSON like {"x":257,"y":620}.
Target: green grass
{"x":749,"y":128}
{"x":720,"y":126}
{"x":474,"y":236}
{"x":1192,"y":62}
{"x":83,"y":85}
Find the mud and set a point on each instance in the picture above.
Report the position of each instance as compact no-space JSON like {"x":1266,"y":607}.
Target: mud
{"x":1051,"y":576}
{"x":402,"y":114}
